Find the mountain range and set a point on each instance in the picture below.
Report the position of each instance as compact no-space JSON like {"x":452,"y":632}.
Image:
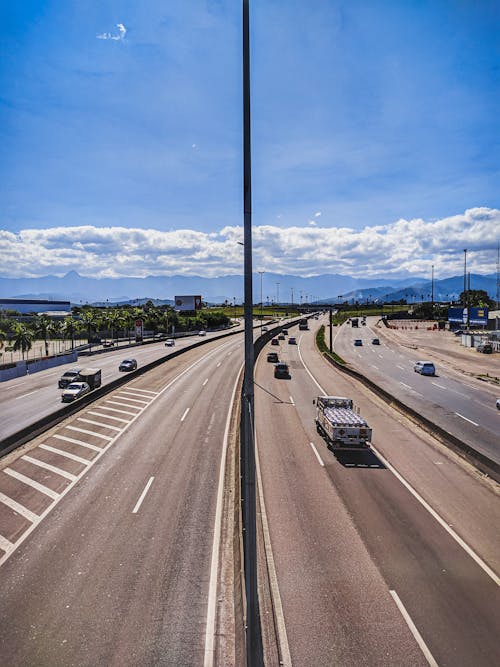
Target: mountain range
{"x":327,"y":288}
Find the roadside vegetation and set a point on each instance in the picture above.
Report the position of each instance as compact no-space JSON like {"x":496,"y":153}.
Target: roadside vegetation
{"x":323,"y":347}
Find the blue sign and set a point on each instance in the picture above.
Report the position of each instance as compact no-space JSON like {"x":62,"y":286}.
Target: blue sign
{"x":476,"y":316}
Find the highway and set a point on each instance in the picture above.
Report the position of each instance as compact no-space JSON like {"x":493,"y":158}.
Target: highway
{"x":108,"y":523}
{"x":459,"y":402}
{"x":382,"y":558}
{"x":29,"y":398}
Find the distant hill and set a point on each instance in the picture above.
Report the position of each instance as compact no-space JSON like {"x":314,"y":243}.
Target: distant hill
{"x":327,"y":288}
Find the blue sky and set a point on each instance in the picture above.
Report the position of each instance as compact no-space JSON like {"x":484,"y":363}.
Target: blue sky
{"x":122,"y":122}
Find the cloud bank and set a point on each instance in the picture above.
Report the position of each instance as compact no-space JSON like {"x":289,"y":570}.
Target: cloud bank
{"x":402,"y":248}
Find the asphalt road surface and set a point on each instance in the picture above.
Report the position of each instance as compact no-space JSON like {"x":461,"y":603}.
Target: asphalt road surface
{"x":383,"y":558}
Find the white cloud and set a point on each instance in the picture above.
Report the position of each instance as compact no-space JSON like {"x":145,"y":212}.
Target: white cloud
{"x":317,"y":214}
{"x":404,"y":247}
{"x":122,"y":31}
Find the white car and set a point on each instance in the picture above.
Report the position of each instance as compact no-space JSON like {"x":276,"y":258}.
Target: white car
{"x":74,"y":390}
{"x":170,"y":342}
{"x":202,"y":333}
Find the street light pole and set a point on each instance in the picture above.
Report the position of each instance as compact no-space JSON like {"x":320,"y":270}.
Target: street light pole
{"x":261,"y":305}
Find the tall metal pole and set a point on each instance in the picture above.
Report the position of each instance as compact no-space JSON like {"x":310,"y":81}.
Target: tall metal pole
{"x":261,"y":304}
{"x":253,"y":636}
{"x":432,"y":290}
{"x":465,"y":276}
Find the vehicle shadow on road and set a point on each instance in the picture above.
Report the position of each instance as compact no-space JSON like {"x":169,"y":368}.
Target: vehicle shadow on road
{"x":364,"y":459}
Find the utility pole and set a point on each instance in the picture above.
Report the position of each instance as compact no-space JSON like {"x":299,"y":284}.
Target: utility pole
{"x":261,"y":305}
{"x":432,"y":291}
{"x":291,"y":290}
{"x":277,"y":294}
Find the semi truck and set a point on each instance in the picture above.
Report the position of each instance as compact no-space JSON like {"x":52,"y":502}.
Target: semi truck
{"x":354,"y":321}
{"x":92,"y":376}
{"x":303,"y":324}
{"x":340,"y":425}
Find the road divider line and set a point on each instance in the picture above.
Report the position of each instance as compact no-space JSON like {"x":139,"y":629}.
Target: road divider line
{"x":31,"y":482}
{"x":17,"y":507}
{"x":185,"y":414}
{"x":74,"y":441}
{"x":436,"y":384}
{"x":317,"y":455}
{"x":48,"y":466}
{"x":400,"y":367}
{"x":375,"y":367}
{"x":91,"y":421}
{"x":62,"y":452}
{"x":406,"y":385}
{"x":87,"y":432}
{"x":28,"y":394}
{"x":466,"y":419}
{"x":218,"y":364}
{"x":142,"y":496}
{"x":205,"y":382}
{"x":123,"y":412}
{"x":413,"y":629}
{"x":116,"y":419}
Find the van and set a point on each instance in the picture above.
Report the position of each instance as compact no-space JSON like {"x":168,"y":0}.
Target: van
{"x":424,"y":368}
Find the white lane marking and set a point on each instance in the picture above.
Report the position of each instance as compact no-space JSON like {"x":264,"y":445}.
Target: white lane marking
{"x":401,"y":367}
{"x":286,"y":659}
{"x":28,"y":394}
{"x":146,"y":391}
{"x":205,"y":382}
{"x":413,"y":629}
{"x":17,"y":507}
{"x":142,"y":496}
{"x":116,"y":419}
{"x":123,"y":397}
{"x":92,"y":433}
{"x":466,"y":419}
{"x":91,"y":421}
{"x":68,"y":455}
{"x":291,"y":400}
{"x":48,"y":466}
{"x":214,"y":565}
{"x":185,"y":414}
{"x":219,"y":364}
{"x":405,"y":385}
{"x":375,"y":367}
{"x":31,"y":482}
{"x":125,"y":405}
{"x":5,"y":544}
{"x":74,"y":441}
{"x":381,"y":356}
{"x":441,"y":521}
{"x":436,"y":384}
{"x":317,"y":455}
{"x":141,"y":397}
{"x":122,"y":412}
{"x":425,"y":504}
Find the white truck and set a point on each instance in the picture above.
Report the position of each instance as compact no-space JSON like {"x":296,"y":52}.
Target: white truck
{"x":342,"y":427}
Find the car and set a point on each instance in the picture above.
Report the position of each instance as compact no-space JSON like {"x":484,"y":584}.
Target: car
{"x":202,"y":333}
{"x":159,"y":336}
{"x":108,"y":343}
{"x":424,"y":368}
{"x":170,"y":342}
{"x":363,"y":323}
{"x":128,"y":365}
{"x":292,"y":340}
{"x":281,"y":336}
{"x":375,"y":341}
{"x":272,"y":357}
{"x":498,"y":404}
{"x":265,"y":329}
{"x":275,"y":341}
{"x":68,"y":377}
{"x":358,"y":342}
{"x":281,"y":370}
{"x":459,"y":332}
{"x":486,"y":348}
{"x":284,"y":332}
{"x":74,"y":390}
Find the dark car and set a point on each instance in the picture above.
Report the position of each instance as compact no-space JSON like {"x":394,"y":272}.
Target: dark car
{"x":281,"y":370}
{"x":486,"y":348}
{"x":68,"y":377}
{"x":292,"y":340}
{"x":275,"y":341}
{"x":108,"y":343}
{"x":281,"y":336}
{"x":375,"y":341}
{"x":273,"y":357}
{"x":358,"y":342}
{"x":128,"y":365}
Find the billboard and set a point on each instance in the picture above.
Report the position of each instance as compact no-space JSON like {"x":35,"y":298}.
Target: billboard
{"x":187,"y":302}
{"x":475,"y":315}
{"x":139,"y":330}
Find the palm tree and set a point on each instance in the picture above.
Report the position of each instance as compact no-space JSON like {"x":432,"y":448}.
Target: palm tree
{"x":22,"y":338}
{"x":69,"y":327}
{"x":90,"y":317}
{"x":42,"y":328}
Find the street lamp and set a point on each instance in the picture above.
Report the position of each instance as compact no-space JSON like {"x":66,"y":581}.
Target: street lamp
{"x":261,"y":273}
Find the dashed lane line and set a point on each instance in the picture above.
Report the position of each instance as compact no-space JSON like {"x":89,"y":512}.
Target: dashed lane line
{"x":31,"y":482}
{"x":74,"y":441}
{"x":185,"y":414}
{"x":142,"y":496}
{"x":466,"y":419}
{"x":28,"y":394}
{"x":317,"y":455}
{"x":48,"y":466}
{"x":63,"y":452}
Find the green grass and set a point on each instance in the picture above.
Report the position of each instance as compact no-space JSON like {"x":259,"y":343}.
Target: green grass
{"x":322,"y":346}
{"x":267,"y":312}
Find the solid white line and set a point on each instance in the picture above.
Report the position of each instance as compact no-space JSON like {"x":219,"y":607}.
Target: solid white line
{"x":29,"y":394}
{"x":92,"y":433}
{"x":47,"y":466}
{"x":74,"y":441}
{"x":17,"y":507}
{"x":125,"y":405}
{"x":205,"y":382}
{"x":405,"y":385}
{"x":466,"y":419}
{"x":146,"y":391}
{"x":438,"y":385}
{"x":122,"y":412}
{"x":5,"y":544}
{"x":31,"y":482}
{"x":185,"y":414}
{"x":68,"y":455}
{"x":441,"y":521}
{"x":124,"y":396}
{"x":418,"y":637}
{"x":214,"y":565}
{"x":286,"y":659}
{"x":91,"y":421}
{"x":317,"y":455}
{"x":142,"y":496}
{"x":116,"y":419}
{"x":291,"y":400}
